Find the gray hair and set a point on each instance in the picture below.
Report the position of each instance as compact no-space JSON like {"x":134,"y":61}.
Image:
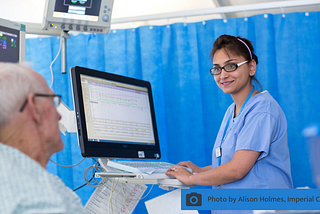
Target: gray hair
{"x":16,"y":82}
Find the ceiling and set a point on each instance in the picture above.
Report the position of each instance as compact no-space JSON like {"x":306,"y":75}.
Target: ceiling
{"x":31,"y":11}
{"x":223,"y":3}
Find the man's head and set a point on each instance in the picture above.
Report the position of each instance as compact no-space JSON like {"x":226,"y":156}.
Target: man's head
{"x":36,"y":124}
{"x":15,"y":84}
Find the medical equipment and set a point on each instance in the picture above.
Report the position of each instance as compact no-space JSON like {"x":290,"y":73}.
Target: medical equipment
{"x":115,"y":115}
{"x":93,"y":16}
{"x":12,"y":41}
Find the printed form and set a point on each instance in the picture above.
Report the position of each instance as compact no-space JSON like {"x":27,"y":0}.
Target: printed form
{"x":115,"y":197}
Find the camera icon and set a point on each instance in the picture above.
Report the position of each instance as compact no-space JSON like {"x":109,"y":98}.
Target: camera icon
{"x":193,"y":199}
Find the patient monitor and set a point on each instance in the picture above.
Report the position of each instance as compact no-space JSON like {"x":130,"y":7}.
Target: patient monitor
{"x":93,"y":16}
{"x":12,"y":41}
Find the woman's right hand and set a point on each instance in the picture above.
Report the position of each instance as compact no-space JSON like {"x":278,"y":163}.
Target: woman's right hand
{"x":192,"y":166}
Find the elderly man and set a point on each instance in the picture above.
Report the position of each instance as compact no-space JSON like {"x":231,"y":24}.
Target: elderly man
{"x":29,"y":135}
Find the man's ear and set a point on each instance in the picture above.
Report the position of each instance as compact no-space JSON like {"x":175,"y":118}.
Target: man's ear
{"x":34,"y":108}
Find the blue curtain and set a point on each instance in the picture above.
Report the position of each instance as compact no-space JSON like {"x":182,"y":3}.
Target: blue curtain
{"x":189,"y":106}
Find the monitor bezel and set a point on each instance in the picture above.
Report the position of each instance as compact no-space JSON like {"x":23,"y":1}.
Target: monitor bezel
{"x":110,"y":150}
{"x":22,"y":36}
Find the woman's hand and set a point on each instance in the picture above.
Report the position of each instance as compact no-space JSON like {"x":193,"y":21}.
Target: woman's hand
{"x":193,"y":167}
{"x":180,"y":173}
{"x":241,"y":163}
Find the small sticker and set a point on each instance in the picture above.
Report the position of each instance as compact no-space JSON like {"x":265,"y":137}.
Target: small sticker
{"x":141,"y":154}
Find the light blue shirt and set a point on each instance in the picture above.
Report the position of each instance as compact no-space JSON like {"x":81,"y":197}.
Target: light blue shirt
{"x":26,"y":187}
{"x":262,"y":127}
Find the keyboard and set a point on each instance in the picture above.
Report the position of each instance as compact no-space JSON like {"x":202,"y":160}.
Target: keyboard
{"x":140,"y":166}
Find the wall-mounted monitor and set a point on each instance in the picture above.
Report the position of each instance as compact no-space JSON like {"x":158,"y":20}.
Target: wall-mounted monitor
{"x":12,"y":41}
{"x":115,"y":115}
{"x":93,"y":16}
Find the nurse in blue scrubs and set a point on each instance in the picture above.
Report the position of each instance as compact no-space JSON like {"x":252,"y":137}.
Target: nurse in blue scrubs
{"x":251,"y":149}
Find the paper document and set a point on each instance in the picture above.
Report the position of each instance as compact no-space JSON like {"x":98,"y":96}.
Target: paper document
{"x":115,"y":197}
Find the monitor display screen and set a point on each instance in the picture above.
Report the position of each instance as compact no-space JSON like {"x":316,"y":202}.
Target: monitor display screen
{"x":116,"y":112}
{"x":87,"y":10}
{"x":9,"y":44}
{"x":115,"y":115}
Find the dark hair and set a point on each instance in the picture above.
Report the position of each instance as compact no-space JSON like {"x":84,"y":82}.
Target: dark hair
{"x":236,"y":46}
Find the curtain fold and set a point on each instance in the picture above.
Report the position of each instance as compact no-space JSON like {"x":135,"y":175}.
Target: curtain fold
{"x":189,"y":106}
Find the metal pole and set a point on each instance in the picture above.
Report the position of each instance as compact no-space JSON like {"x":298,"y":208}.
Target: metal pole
{"x":64,"y":36}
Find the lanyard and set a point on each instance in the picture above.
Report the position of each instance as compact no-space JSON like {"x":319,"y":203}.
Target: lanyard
{"x":218,"y":150}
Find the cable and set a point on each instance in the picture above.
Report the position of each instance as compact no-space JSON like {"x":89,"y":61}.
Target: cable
{"x":113,"y":191}
{"x":88,"y":182}
{"x":110,"y":198}
{"x":54,"y":61}
{"x":109,"y":202}
{"x":145,"y":195}
{"x":115,"y":200}
{"x":95,"y":161}
{"x":96,"y":183}
{"x":82,"y":185}
{"x":124,"y":196}
{"x":67,"y":165}
{"x":124,"y":200}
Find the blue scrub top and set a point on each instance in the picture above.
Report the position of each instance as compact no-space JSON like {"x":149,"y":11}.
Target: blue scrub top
{"x":262,"y":127}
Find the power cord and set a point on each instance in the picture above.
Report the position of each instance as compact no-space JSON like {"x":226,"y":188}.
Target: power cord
{"x":82,"y":185}
{"x":96,"y":166}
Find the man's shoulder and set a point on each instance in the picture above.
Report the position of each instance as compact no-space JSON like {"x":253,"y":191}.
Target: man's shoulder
{"x":25,"y":184}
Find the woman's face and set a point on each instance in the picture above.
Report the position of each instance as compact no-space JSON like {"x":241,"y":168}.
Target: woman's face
{"x":233,"y":82}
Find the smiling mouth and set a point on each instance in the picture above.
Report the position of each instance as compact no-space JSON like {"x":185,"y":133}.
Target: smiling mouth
{"x":226,"y":83}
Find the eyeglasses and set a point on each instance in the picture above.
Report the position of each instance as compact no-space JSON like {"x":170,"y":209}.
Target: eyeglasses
{"x":228,"y":68}
{"x":56,"y":100}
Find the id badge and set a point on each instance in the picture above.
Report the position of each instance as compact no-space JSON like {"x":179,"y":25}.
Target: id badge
{"x":218,"y":152}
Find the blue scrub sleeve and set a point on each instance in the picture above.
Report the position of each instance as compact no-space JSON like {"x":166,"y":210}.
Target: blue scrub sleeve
{"x":257,"y":133}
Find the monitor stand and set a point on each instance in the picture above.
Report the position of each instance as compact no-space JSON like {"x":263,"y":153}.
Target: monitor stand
{"x":103,"y":162}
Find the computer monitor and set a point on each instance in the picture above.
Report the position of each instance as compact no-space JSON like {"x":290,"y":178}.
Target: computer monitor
{"x":12,"y":41}
{"x":93,"y":16}
{"x":115,"y":115}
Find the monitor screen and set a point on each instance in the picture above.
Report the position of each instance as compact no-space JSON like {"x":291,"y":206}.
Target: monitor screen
{"x":12,"y":42}
{"x":115,"y":115}
{"x":87,"y":10}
